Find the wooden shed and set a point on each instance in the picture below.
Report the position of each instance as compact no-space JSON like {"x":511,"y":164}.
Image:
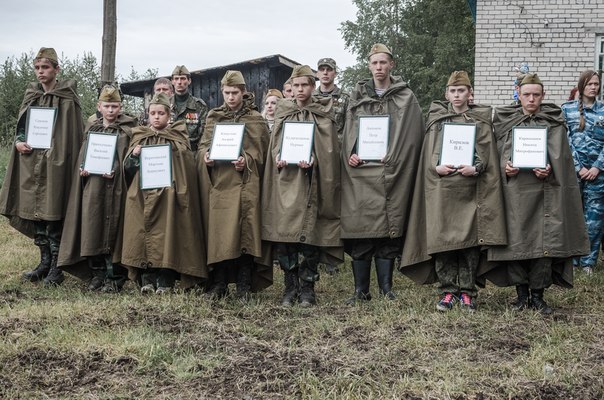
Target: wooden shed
{"x":260,"y":74}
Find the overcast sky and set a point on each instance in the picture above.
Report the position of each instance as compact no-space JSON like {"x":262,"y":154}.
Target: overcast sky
{"x":162,"y":34}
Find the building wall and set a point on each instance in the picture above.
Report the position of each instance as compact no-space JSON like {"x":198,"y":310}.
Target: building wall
{"x":556,"y":37}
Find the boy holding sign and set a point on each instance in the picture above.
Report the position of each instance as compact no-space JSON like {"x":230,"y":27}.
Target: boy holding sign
{"x":163,"y":239}
{"x":457,"y":207}
{"x":91,"y":240}
{"x":230,"y":185}
{"x":301,"y":191}
{"x":545,"y":224}
{"x":38,"y":177}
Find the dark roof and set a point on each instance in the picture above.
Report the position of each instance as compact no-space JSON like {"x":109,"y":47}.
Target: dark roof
{"x":139,"y":88}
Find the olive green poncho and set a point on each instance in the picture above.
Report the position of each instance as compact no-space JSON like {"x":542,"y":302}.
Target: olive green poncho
{"x":544,"y":217}
{"x":162,"y":227}
{"x":37,"y":185}
{"x":303,"y":205}
{"x":95,"y":212}
{"x":453,"y":212}
{"x":231,"y":199}
{"x":376,"y":196}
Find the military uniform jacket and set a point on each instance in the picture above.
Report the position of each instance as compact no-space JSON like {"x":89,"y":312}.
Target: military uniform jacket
{"x":303,"y":205}
{"x":376,"y":196}
{"x":340,"y":102}
{"x":37,"y":185}
{"x":93,"y":223}
{"x":544,"y":217}
{"x":453,"y":212}
{"x":194,"y":112}
{"x":231,"y":199}
{"x":162,"y":227}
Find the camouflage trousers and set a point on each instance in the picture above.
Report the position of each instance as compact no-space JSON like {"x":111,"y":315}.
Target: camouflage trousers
{"x":289,"y":258}
{"x":48,"y":233}
{"x":536,"y":272}
{"x":456,"y":270}
{"x":593,"y":210}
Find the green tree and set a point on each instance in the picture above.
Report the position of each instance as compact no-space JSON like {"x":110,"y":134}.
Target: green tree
{"x":428,"y":38}
{"x":131,"y":104}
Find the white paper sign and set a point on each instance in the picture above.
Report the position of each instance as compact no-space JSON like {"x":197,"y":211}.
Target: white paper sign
{"x":156,"y":166}
{"x":458,"y":144}
{"x":100,"y":153}
{"x":297,"y":141}
{"x":226,"y":142}
{"x":372,"y":142}
{"x":40,"y":126}
{"x":529,"y":147}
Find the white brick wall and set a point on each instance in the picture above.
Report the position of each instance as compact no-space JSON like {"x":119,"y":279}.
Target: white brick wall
{"x":556,"y":37}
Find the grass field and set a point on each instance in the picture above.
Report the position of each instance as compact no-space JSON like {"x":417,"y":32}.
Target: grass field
{"x":68,"y":343}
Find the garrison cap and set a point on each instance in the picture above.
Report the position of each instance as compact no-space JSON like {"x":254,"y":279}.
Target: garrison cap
{"x":330,"y":62}
{"x":47,"y":52}
{"x":110,"y":94}
{"x":181,"y":70}
{"x":274,"y":92}
{"x":302,"y":70}
{"x":459,"y":78}
{"x":160,"y":98}
{"x":379,"y":48}
{"x":232,"y":78}
{"x":531,"y":79}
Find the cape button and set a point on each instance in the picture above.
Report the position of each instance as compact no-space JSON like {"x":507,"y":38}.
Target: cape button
{"x":546,"y":253}
{"x":303,"y":238}
{"x":546,"y":215}
{"x":480,"y":240}
{"x":244,"y":251}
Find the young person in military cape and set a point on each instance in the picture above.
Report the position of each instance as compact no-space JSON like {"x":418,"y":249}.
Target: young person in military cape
{"x":456,"y":210}
{"x":545,"y":225}
{"x":585,"y":120}
{"x":163,"y":237}
{"x":376,"y":195}
{"x":91,"y":240}
{"x":37,"y":183}
{"x":187,"y":107}
{"x":230,"y":194}
{"x":301,"y":202}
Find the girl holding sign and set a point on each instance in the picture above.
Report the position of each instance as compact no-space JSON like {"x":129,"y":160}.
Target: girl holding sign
{"x":163,"y":239}
{"x":457,"y":208}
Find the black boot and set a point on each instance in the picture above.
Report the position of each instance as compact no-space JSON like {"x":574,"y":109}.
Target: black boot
{"x":307,"y":294}
{"x":290,"y":293}
{"x":361,"y":270}
{"x":166,"y":279}
{"x":384,"y":269}
{"x":97,"y":266}
{"x":244,"y":281}
{"x":219,"y":289}
{"x":40,"y":272}
{"x":55,"y":274}
{"x":537,"y":302}
{"x":116,"y":276}
{"x":522,"y":301}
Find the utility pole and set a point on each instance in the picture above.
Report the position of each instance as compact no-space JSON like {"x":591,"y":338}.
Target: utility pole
{"x":109,"y":42}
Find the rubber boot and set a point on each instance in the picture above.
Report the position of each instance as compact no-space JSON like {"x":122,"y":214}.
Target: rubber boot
{"x":116,"y":276}
{"x":307,"y":293}
{"x":361,"y":270}
{"x":384,"y":269}
{"x":97,"y":267}
{"x":290,"y":293}
{"x":219,"y":288}
{"x":522,"y":301}
{"x":537,"y":302}
{"x":55,"y":275}
{"x":41,"y":271}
